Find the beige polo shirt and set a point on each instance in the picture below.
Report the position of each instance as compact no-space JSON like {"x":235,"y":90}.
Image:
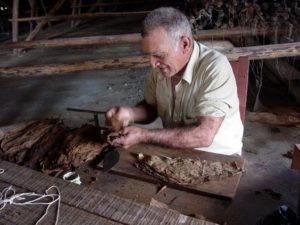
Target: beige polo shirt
{"x":207,"y":88}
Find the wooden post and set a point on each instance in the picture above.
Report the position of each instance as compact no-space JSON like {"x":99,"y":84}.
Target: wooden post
{"x":32,"y":4}
{"x":15,"y":25}
{"x":79,"y":12}
{"x":74,"y":9}
{"x":296,"y":158}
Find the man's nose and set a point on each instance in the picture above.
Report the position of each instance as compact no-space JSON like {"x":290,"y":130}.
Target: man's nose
{"x":154,"y":62}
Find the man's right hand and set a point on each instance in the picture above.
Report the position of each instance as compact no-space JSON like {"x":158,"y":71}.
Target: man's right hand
{"x":119,"y":116}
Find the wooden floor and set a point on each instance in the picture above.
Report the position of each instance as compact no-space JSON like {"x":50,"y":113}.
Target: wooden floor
{"x":79,"y":204}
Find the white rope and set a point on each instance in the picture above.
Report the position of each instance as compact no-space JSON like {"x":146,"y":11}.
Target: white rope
{"x":9,"y":196}
{"x":1,"y":171}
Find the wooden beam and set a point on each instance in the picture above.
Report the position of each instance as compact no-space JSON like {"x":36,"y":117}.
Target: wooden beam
{"x":136,"y":37}
{"x":264,"y":51}
{"x":45,"y":10}
{"x":90,"y":10}
{"x":255,"y":52}
{"x":38,"y":70}
{"x":37,"y":29}
{"x":129,"y":3}
{"x":78,"y":17}
{"x":274,"y":119}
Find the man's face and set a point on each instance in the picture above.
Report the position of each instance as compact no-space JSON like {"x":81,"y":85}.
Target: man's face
{"x":163,"y":52}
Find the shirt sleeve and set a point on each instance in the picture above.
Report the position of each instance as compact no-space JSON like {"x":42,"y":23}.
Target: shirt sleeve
{"x":218,"y":92}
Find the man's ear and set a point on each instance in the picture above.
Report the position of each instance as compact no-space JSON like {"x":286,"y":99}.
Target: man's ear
{"x":186,"y":44}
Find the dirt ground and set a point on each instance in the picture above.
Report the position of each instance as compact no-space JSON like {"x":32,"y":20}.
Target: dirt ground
{"x":267,"y":183}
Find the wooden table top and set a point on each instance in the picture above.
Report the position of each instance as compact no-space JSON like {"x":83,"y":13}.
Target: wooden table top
{"x":222,"y":188}
{"x":80,"y":204}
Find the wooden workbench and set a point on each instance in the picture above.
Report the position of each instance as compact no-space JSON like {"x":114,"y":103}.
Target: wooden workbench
{"x":221,"y":188}
{"x":80,"y":204}
{"x":209,"y":200}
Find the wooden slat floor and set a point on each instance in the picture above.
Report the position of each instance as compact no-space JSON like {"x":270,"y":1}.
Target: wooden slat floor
{"x":80,"y":204}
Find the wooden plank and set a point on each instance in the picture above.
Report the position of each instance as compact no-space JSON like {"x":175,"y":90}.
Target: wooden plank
{"x":224,"y":188}
{"x":12,"y":214}
{"x":136,"y":37}
{"x":140,"y":61}
{"x":85,"y":199}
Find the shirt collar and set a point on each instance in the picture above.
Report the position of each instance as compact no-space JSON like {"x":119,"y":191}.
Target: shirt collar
{"x":188,"y":73}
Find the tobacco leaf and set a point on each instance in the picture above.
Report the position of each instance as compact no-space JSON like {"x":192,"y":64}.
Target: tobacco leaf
{"x":185,"y":171}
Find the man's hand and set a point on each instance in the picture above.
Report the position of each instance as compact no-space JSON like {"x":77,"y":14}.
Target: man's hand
{"x":130,"y":136}
{"x":119,"y":117}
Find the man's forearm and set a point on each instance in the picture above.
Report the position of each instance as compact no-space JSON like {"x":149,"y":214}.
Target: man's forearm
{"x":190,"y":137}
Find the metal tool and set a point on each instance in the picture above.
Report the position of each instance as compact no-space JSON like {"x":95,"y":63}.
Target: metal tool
{"x":94,"y":112}
{"x":106,"y":160}
{"x":109,"y":155}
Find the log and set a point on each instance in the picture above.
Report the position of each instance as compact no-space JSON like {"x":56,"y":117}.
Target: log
{"x":136,"y":37}
{"x":140,"y":61}
{"x":78,"y":17}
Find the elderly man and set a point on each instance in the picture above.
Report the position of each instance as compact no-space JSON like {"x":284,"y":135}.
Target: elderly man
{"x":191,"y":88}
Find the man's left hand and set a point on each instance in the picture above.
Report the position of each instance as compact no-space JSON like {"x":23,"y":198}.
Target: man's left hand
{"x":130,"y":136}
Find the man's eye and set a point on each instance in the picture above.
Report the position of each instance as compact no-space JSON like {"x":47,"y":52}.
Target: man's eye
{"x":159,"y":56}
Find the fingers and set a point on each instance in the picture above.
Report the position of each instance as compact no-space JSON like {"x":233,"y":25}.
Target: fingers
{"x":118,"y":117}
{"x":118,"y":142}
{"x":109,"y":114}
{"x":125,"y":139}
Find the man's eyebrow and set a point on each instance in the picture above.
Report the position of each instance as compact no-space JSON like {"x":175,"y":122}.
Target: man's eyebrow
{"x":153,"y":53}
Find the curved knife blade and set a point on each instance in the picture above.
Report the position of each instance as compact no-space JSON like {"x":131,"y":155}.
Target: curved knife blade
{"x":111,"y":158}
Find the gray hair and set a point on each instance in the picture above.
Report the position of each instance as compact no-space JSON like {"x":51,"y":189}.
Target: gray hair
{"x":172,"y":20}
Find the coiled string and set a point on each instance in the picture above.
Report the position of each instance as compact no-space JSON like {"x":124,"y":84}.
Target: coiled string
{"x":9,"y":196}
